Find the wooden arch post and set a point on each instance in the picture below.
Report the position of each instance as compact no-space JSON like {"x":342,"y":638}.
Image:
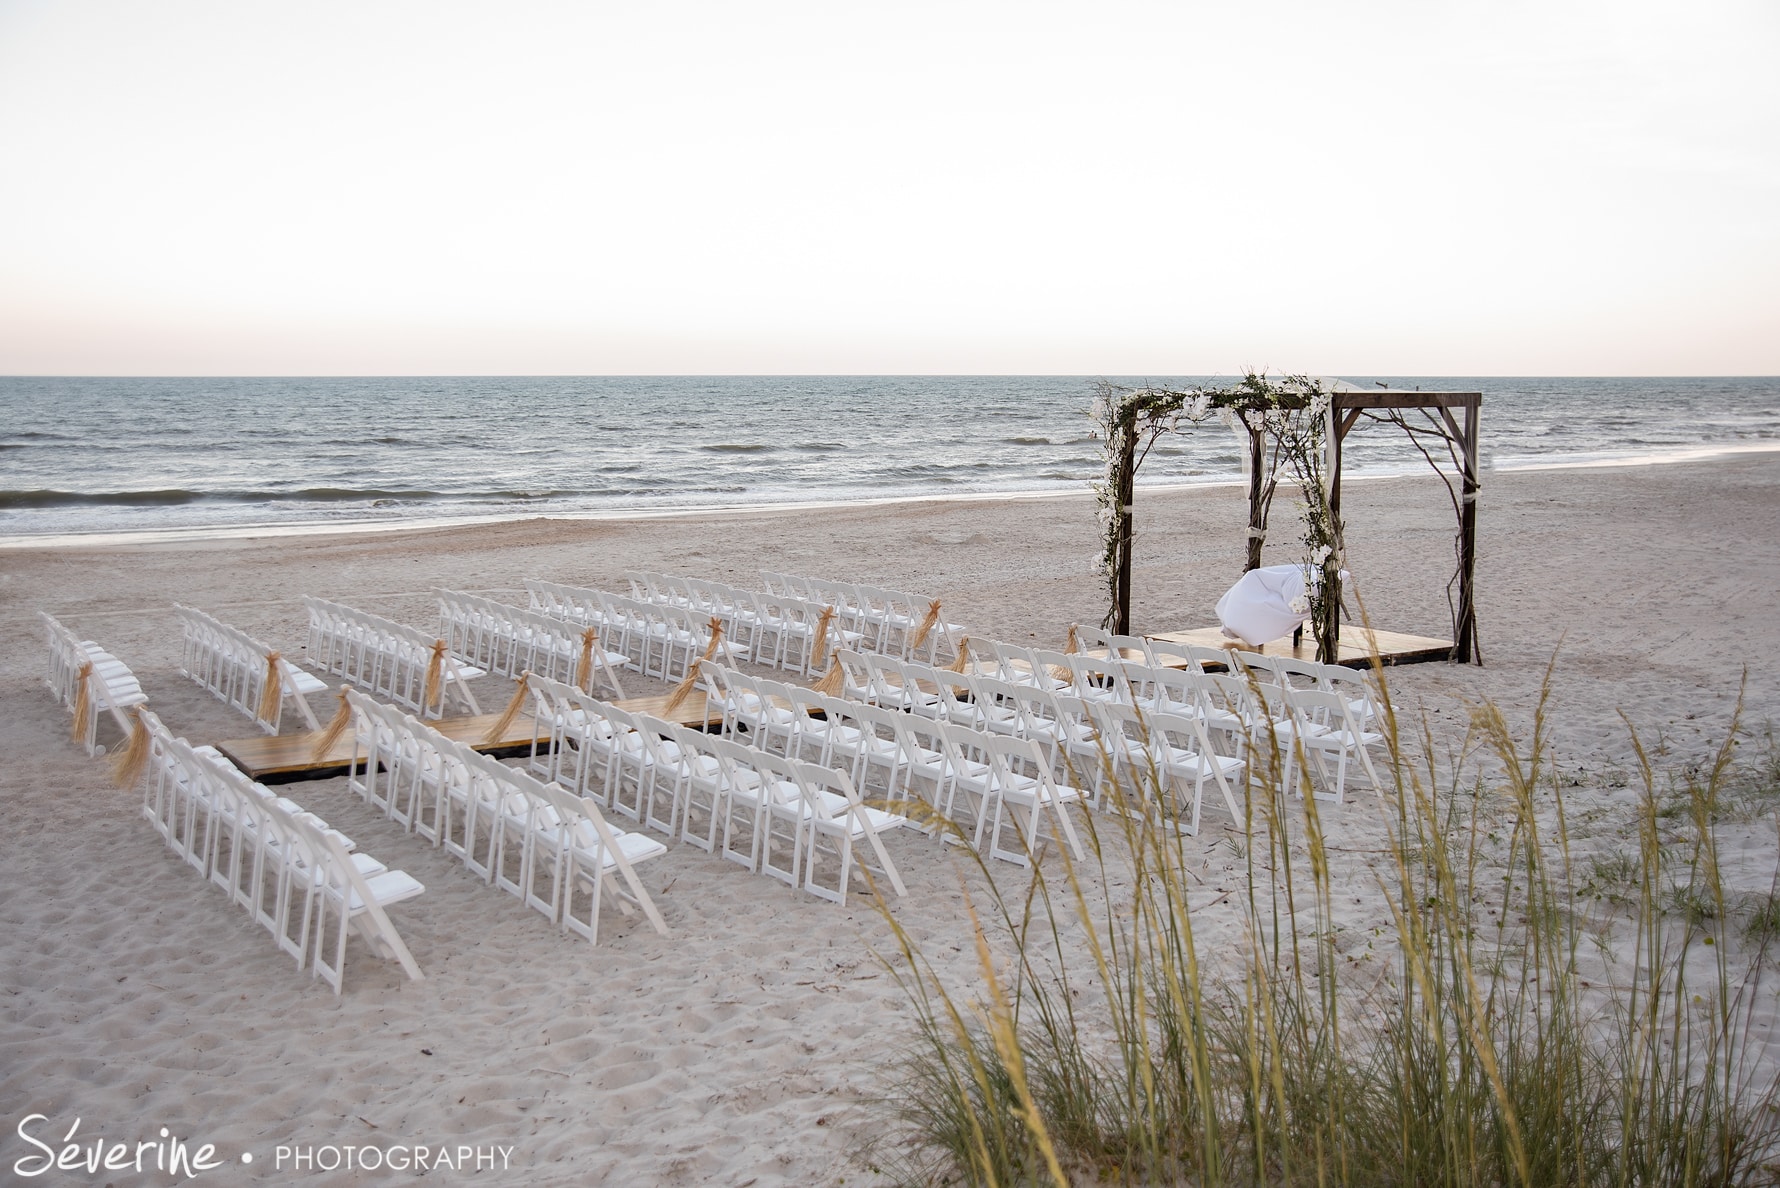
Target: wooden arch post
{"x":1124,"y":513}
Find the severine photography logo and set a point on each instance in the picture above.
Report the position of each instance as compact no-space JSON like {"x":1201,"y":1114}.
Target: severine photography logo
{"x":89,"y":1153}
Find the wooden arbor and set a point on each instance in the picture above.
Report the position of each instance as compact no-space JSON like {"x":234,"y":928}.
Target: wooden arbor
{"x":1436,"y":423}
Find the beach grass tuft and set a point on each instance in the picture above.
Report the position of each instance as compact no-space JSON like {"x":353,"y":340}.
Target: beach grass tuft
{"x":1528,"y":1028}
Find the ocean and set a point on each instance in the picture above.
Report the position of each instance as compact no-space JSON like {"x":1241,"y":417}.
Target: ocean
{"x":108,"y":455}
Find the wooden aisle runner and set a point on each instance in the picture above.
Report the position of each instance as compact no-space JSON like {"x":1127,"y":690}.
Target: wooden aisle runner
{"x":287,"y":757}
{"x":1353,"y":649}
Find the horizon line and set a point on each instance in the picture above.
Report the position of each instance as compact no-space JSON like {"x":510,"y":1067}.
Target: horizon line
{"x":850,"y":375}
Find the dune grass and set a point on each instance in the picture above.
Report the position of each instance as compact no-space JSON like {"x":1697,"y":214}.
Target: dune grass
{"x":1504,"y":1046}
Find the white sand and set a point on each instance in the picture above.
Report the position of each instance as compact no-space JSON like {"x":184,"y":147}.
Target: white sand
{"x":738,"y":1049}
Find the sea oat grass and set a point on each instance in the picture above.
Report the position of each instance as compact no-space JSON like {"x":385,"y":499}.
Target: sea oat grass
{"x":1503,"y":1046}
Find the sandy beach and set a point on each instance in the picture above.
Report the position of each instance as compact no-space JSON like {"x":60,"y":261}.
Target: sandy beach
{"x":746,"y":1047}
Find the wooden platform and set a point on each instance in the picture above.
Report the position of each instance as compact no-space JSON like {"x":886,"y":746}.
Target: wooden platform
{"x":1354,"y":649}
{"x":286,"y":758}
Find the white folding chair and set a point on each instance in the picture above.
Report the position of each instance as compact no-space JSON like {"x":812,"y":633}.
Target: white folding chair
{"x":836,"y":820}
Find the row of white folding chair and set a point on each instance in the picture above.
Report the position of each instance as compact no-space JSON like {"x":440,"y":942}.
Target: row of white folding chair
{"x":850,"y":606}
{"x":1153,"y":653}
{"x":777,"y":627}
{"x":1324,"y":727}
{"x":1109,"y":645}
{"x":585,"y":607}
{"x":508,"y":640}
{"x":907,"y":685}
{"x":700,"y":598}
{"x":661,"y":636}
{"x":1020,"y":664}
{"x":801,"y":809}
{"x":968,"y":797}
{"x":1275,"y":719}
{"x":888,"y":620}
{"x":183,"y":807}
{"x":671,"y":777}
{"x":713,"y":792}
{"x":197,"y":821}
{"x":293,"y":875}
{"x":1352,"y":683}
{"x":1054,"y":713}
{"x":1119,"y":752}
{"x":1093,"y":678}
{"x":390,"y":659}
{"x":86,"y":679}
{"x":978,"y":783}
{"x":603,"y":753}
{"x":922,"y":689}
{"x":674,"y":590}
{"x":1090,"y":675}
{"x":235,"y":667}
{"x":1235,"y":724}
{"x":775,"y":630}
{"x":575,"y":604}
{"x":1332,"y":720}
{"x":790,"y":633}
{"x":1356,"y":685}
{"x":853,"y":736}
{"x":663,"y":640}
{"x":657,"y":639}
{"x":534,"y":840}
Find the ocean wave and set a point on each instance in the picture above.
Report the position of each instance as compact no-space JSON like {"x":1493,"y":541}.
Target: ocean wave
{"x":171,"y":496}
{"x":523,"y":496}
{"x":733,"y":447}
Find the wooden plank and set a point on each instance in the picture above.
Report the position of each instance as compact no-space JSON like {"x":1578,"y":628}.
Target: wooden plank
{"x":290,"y":756}
{"x":691,"y":712}
{"x":1354,"y":648}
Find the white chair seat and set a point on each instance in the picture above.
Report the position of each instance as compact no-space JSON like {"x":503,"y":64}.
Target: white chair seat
{"x":307,"y":683}
{"x":635,"y":847}
{"x":389,"y":887}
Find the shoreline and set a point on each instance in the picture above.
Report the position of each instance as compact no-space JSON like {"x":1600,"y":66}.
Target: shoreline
{"x":197,"y":535}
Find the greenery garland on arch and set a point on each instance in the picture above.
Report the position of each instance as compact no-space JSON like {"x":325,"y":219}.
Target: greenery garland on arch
{"x":1285,"y":422}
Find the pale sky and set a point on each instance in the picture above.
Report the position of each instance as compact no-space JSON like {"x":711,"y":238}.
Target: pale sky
{"x":444,"y":187}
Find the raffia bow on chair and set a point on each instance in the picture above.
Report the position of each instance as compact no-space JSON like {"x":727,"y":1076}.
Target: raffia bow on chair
{"x":819,"y":645}
{"x":498,"y":730}
{"x":962,"y":663}
{"x":684,"y":688}
{"x":83,"y":700}
{"x":926,"y":627}
{"x":589,"y":637}
{"x":324,"y":742}
{"x":435,"y":675}
{"x":834,"y":680}
{"x":1071,"y":646}
{"x":128,"y":765}
{"x":272,"y":695}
